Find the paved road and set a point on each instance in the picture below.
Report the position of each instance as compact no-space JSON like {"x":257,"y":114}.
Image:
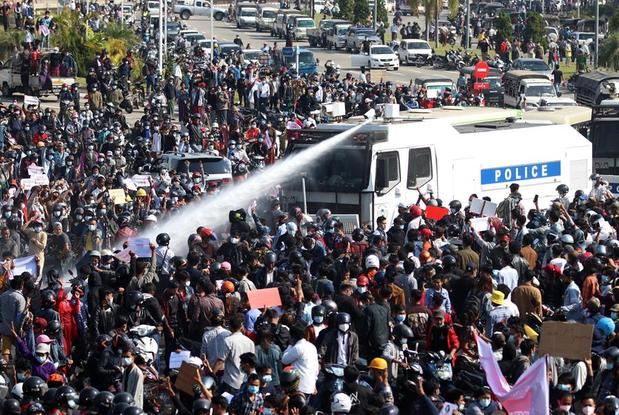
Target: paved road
{"x":228,"y":31}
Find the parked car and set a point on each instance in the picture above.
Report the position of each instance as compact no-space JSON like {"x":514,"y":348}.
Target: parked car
{"x":300,"y":26}
{"x":199,"y":8}
{"x":228,"y":48}
{"x":532,"y":64}
{"x":379,"y":57}
{"x":357,"y":35}
{"x":414,"y":50}
{"x":246,"y":17}
{"x":265,"y":19}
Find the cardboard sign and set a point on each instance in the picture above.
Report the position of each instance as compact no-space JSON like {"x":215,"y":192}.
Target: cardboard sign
{"x":480,"y":224}
{"x":184,"y":380}
{"x":118,"y":196}
{"x":266,"y":297}
{"x":40,"y":180}
{"x":436,"y":213}
{"x":28,"y":184}
{"x":34,"y":170}
{"x":141,"y":180}
{"x":130,"y":185}
{"x":141,"y":247}
{"x":30,"y":100}
{"x":482,"y":207}
{"x":567,"y":340}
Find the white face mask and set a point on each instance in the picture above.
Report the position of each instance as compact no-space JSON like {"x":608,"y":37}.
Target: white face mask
{"x":565,"y":408}
{"x":127,"y":361}
{"x":588,"y":410}
{"x":344,"y":327}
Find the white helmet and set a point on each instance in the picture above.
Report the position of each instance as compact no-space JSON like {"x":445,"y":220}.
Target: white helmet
{"x":341,"y":403}
{"x":372,"y":262}
{"x":291,"y":227}
{"x":18,"y":391}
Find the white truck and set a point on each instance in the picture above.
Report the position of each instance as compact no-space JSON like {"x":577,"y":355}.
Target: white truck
{"x":386,"y":162}
{"x":199,"y":8}
{"x":62,"y":70}
{"x":379,"y":57}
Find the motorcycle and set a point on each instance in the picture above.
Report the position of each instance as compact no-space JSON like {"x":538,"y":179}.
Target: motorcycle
{"x":145,"y":345}
{"x":330,"y":381}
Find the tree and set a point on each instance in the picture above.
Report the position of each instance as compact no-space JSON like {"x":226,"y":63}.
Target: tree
{"x":361,"y":11}
{"x":504,"y":29}
{"x":613,"y":22}
{"x":609,"y":52}
{"x":429,"y":7}
{"x":346,"y":9}
{"x":382,"y":12}
{"x":534,"y":30}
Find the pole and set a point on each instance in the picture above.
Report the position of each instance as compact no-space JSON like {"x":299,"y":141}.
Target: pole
{"x":297,"y":61}
{"x":375,"y":16}
{"x":165,"y":27}
{"x":597,"y":32}
{"x":212,"y":35}
{"x":304,"y":193}
{"x":160,"y":38}
{"x":438,"y":11}
{"x":467,"y":43}
{"x":578,"y":9}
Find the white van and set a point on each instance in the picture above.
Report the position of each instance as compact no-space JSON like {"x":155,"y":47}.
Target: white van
{"x":384,"y":164}
{"x":526,"y":88}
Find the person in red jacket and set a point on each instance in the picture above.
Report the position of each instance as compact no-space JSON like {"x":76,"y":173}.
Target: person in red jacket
{"x":442,"y":336}
{"x":69,"y":310}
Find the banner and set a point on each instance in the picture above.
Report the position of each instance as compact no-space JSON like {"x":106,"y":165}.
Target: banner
{"x":528,"y":396}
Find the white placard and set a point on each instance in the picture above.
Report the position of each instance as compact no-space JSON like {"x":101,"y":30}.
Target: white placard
{"x":177,"y":358}
{"x":141,"y":247}
{"x":25,"y":264}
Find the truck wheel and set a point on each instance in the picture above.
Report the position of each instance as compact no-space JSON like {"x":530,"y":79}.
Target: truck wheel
{"x":185,"y":14}
{"x":6,"y":91}
{"x":219,"y":16}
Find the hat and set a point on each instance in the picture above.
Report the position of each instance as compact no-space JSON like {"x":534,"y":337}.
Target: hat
{"x":226,"y":266}
{"x":530,"y":332}
{"x":106,"y":252}
{"x":372,"y":262}
{"x":42,"y":348}
{"x":497,"y":297}
{"x":40,"y":322}
{"x":55,"y":377}
{"x":438,"y":314}
{"x":150,"y":218}
{"x":615,"y":308}
{"x":378,"y":363}
{"x":43,"y":338}
{"x":94,"y":253}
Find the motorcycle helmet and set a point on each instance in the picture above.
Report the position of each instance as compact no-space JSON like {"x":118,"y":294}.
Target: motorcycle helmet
{"x":87,"y":395}
{"x":34,"y":388}
{"x":448,"y":261}
{"x":270,"y":258}
{"x":118,"y":408}
{"x":66,"y":397}
{"x":163,"y":239}
{"x":455,"y":206}
{"x":123,"y":397}
{"x":562,"y":189}
{"x":342,"y":318}
{"x":49,"y":399}
{"x":341,"y":403}
{"x":133,"y":299}
{"x":103,"y":402}
{"x":11,"y":407}
{"x":18,"y":391}
{"x":200,"y":406}
{"x":330,"y":307}
{"x":133,"y":410}
{"x":36,"y":408}
{"x":402,"y":331}
{"x":358,"y":235}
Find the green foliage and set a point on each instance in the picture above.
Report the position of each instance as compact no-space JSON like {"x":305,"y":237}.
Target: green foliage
{"x":382,"y":13}
{"x":453,"y":7}
{"x":346,"y":9}
{"x":504,"y":29}
{"x":361,"y":11}
{"x":10,"y":42}
{"x":609,"y":52}
{"x":613,"y":22}
{"x":534,"y":30}
{"x":73,"y":35}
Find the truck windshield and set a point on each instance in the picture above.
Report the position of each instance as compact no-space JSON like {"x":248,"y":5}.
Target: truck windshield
{"x":603,"y":138}
{"x":212,"y":165}
{"x":540,"y":90}
{"x":305,"y":59}
{"x":305,"y":23}
{"x":248,"y":12}
{"x":344,"y":169}
{"x":268,"y":14}
{"x":418,"y":45}
{"x":342,"y":30}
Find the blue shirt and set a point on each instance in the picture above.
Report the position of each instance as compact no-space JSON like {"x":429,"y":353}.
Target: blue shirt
{"x":446,"y":302}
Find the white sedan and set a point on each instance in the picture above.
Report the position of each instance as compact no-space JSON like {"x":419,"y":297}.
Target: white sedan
{"x":380,"y":57}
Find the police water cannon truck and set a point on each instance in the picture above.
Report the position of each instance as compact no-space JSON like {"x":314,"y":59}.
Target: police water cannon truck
{"x":388,"y":163}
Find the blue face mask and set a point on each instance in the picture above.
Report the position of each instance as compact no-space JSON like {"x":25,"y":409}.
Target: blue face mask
{"x":563,"y":387}
{"x":399,"y":318}
{"x":318,"y":319}
{"x":267,"y":378}
{"x":253,"y":389}
{"x":610,"y":366}
{"x":266,"y":411}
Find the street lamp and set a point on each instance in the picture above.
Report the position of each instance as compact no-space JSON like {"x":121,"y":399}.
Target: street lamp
{"x":597,"y":32}
{"x":160,"y":66}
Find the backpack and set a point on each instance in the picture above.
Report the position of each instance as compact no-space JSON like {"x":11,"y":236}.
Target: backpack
{"x":418,"y":323}
{"x":504,"y":210}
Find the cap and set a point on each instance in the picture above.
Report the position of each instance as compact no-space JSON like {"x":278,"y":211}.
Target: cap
{"x":43,"y":338}
{"x":42,"y":348}
{"x":615,"y":308}
{"x":378,"y":363}
{"x":55,"y":377}
{"x":497,"y":297}
{"x":106,"y":252}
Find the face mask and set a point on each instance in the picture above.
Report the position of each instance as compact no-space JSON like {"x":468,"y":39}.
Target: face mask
{"x":563,"y":387}
{"x":57,"y":213}
{"x":72,"y":404}
{"x":102,"y":212}
{"x":588,"y":410}
{"x":187,"y":283}
{"x":361,"y":290}
{"x":565,"y":408}
{"x":91,"y":228}
{"x":400,"y":318}
{"x":267,"y":379}
{"x":511,"y":339}
{"x":7,"y":214}
{"x":266,"y":411}
{"x":253,"y":389}
{"x":613,"y":316}
{"x":318,"y":319}
{"x":344,"y":327}
{"x":234,"y":241}
{"x":69,"y":163}
{"x":20,"y":377}
{"x":41,"y":359}
{"x":605,"y":279}
{"x":484,"y":403}
{"x":37,"y":229}
{"x":610,"y":366}
{"x":461,"y":407}
{"x":78,"y":217}
{"x":127,"y":361}
{"x":404,"y":340}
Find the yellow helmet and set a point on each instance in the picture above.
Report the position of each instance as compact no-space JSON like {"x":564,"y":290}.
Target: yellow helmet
{"x":378,"y":363}
{"x":141,"y":192}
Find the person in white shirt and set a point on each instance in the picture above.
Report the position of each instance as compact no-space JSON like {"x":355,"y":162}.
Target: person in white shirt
{"x":303,"y":356}
{"x":507,"y":275}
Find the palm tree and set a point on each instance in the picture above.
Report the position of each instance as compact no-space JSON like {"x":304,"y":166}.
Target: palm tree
{"x":609,"y":52}
{"x":430,"y":8}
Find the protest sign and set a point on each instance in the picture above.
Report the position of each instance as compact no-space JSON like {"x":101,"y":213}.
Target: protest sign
{"x":567,"y":340}
{"x":184,"y":380}
{"x":482,"y":207}
{"x":118,"y":196}
{"x":436,"y":213}
{"x":480,"y":224}
{"x":25,"y":264}
{"x":266,"y":297}
{"x":141,"y":180}
{"x":141,"y":247}
{"x":34,"y":170}
{"x":177,"y":358}
{"x":30,"y":100}
{"x":28,"y":184}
